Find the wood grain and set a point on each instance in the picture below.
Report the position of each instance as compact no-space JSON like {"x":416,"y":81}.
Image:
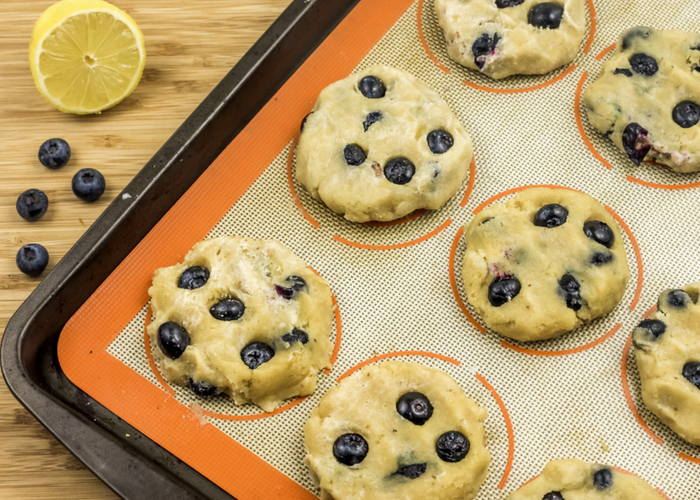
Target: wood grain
{"x":190,"y":47}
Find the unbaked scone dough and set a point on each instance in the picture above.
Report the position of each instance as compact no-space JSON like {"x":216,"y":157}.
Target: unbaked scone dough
{"x":544,"y":262}
{"x":667,"y":348}
{"x":647,"y":98}
{"x":381,"y":144}
{"x":501,"y":38}
{"x":577,"y":480}
{"x":256,"y":321}
{"x":403,"y":431}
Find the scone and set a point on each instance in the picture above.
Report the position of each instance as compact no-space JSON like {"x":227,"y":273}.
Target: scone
{"x":381,"y":144}
{"x":577,"y":480}
{"x":667,"y":348}
{"x":397,"y":430}
{"x":242,"y":316}
{"x":543,"y":263}
{"x":501,"y":38}
{"x":647,"y":98}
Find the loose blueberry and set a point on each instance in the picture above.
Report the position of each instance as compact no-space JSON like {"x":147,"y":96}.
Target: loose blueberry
{"x":227,"y":310}
{"x":686,"y":114}
{"x":32,"y":259}
{"x":193,"y":277}
{"x":173,"y":339}
{"x":603,"y":479}
{"x":552,"y":215}
{"x":553,"y":495}
{"x":483,"y":47}
{"x":32,"y":204}
{"x":440,"y":141}
{"x":88,"y":184}
{"x":504,"y":4}
{"x":373,"y":117}
{"x":623,"y":71}
{"x":599,"y":232}
{"x":601,"y":258}
{"x":633,"y":34}
{"x":643,"y":64}
{"x":354,"y":155}
{"x":503,"y":289}
{"x":256,"y":354}
{"x":295,"y":336}
{"x":303,"y":122}
{"x":414,"y":407}
{"x":570,"y":289}
{"x":372,"y":87}
{"x":655,"y":327}
{"x":452,"y":446}
{"x":546,"y":15}
{"x":54,"y":153}
{"x":412,"y":471}
{"x":399,"y":171}
{"x":678,"y":299}
{"x":691,"y":372}
{"x":203,"y":389}
{"x":350,"y":449}
{"x":634,"y":142}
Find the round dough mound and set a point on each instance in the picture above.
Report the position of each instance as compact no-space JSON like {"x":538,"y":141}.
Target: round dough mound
{"x":667,"y":348}
{"x":291,"y":317}
{"x":396,"y":125}
{"x":576,"y":480}
{"x":648,"y":82}
{"x":563,"y":277}
{"x":366,"y":404}
{"x":500,"y":41}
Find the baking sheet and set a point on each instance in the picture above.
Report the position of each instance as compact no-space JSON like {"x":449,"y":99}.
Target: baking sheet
{"x":398,"y":287}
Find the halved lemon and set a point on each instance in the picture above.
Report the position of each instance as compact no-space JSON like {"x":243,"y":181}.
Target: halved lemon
{"x":86,"y":55}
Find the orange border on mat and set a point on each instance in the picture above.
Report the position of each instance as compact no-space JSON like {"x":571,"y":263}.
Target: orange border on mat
{"x":82,"y":346}
{"x":565,"y":352}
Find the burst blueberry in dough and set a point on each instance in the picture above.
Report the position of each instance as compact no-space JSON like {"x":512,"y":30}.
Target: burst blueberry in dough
{"x":501,"y":38}
{"x":543,"y":263}
{"x":577,"y":480}
{"x":647,"y":98}
{"x":242,"y":316}
{"x":667,"y":349}
{"x":397,"y":430}
{"x":381,"y":144}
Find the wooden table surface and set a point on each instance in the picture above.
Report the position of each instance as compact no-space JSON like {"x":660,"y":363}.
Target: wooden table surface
{"x":190,"y":46}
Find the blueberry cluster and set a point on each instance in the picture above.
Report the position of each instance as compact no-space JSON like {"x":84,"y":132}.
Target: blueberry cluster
{"x":452,"y":446}
{"x":173,"y":339}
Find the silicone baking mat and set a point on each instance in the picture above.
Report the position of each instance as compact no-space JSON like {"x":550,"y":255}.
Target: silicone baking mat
{"x":397,"y":286}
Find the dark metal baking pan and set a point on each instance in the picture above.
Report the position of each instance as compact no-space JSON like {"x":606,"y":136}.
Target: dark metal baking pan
{"x":137,"y":467}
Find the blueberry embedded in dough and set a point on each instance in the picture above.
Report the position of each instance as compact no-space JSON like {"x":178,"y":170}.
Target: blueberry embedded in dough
{"x":484,"y":47}
{"x":193,"y":277}
{"x":504,"y":4}
{"x":372,"y":118}
{"x":622,"y":71}
{"x":256,"y":354}
{"x":173,"y":339}
{"x":550,"y":216}
{"x":599,"y":232}
{"x":503,"y":289}
{"x":412,"y":471}
{"x":553,"y":495}
{"x":686,"y":114}
{"x":603,"y":479}
{"x":294,"y":284}
{"x":350,"y":449}
{"x":570,"y":290}
{"x":303,"y":122}
{"x":691,"y":372}
{"x":372,"y":87}
{"x":601,"y":258}
{"x":673,"y":300}
{"x":354,"y":155}
{"x":635,"y":142}
{"x":296,"y":336}
{"x":204,"y":389}
{"x":452,"y":446}
{"x":399,"y":171}
{"x":651,"y":329}
{"x":440,"y":141}
{"x":414,"y":407}
{"x":633,"y":35}
{"x":643,"y":64}
{"x":228,"y":310}
{"x":546,"y":15}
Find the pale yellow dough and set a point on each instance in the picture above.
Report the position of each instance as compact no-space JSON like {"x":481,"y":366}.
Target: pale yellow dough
{"x":576,"y":480}
{"x":614,"y":101}
{"x":521,"y":48}
{"x":502,"y":240}
{"x":248,"y":270}
{"x":365,"y":403}
{"x":665,"y":391}
{"x":410,"y":111}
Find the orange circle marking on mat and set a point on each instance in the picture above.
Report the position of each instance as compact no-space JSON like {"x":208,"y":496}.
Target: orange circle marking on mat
{"x":397,"y":354}
{"x":579,"y":122}
{"x":662,"y":186}
{"x":470,"y":184}
{"x":564,"y":352}
{"x":637,"y":253}
{"x":509,"y":429}
{"x":290,"y":182}
{"x":689,"y":458}
{"x":424,"y":42}
{"x":542,"y":85}
{"x":628,"y":394}
{"x":453,"y":282}
{"x":364,"y":246}
{"x":651,"y":311}
{"x":594,"y":23}
{"x":605,"y":51}
{"x":516,"y":190}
